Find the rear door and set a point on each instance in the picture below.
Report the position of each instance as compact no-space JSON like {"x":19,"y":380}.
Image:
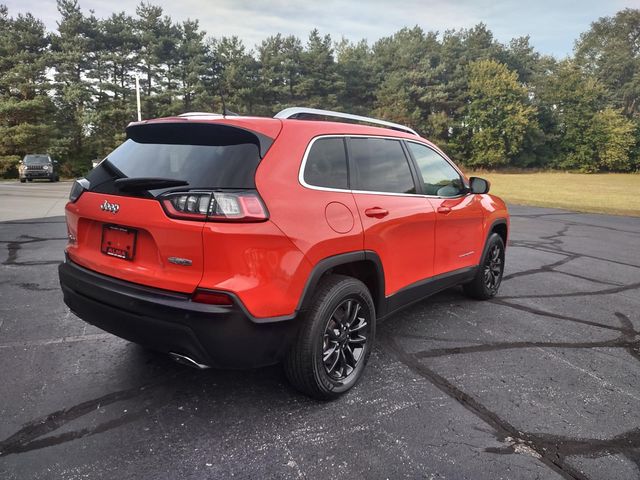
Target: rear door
{"x":398,"y":225}
{"x":134,"y":232}
{"x":459,"y":215}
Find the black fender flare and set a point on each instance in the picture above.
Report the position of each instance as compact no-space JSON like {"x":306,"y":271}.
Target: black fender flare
{"x":323,"y":266}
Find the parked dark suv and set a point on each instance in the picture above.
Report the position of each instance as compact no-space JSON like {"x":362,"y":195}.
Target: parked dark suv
{"x":38,"y":165}
{"x":241,"y":241}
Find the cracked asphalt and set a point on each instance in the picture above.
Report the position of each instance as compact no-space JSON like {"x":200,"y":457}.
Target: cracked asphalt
{"x":541,"y":382}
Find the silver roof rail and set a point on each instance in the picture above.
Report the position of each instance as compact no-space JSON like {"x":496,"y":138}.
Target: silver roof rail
{"x":200,"y":115}
{"x":294,"y":111}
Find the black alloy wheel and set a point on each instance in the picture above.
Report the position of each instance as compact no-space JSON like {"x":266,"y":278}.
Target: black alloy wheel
{"x":493,"y":267}
{"x":488,"y":276}
{"x":345,"y":338}
{"x":335,"y":339}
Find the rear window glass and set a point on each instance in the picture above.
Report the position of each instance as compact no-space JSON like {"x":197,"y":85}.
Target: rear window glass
{"x":381,"y":166}
{"x":327,"y":164}
{"x":204,"y":155}
{"x":203,"y":166}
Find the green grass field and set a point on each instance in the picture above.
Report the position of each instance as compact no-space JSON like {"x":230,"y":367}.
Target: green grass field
{"x":613,"y":193}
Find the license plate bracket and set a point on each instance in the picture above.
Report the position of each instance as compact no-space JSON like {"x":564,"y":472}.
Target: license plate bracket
{"x":118,"y":241}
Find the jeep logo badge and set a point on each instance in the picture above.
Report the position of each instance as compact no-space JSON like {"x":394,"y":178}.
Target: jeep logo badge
{"x":110,"y":207}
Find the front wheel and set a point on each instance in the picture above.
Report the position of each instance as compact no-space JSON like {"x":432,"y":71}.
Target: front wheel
{"x":335,"y":339}
{"x":488,"y":278}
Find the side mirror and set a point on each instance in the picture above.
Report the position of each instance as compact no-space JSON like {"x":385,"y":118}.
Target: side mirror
{"x":479,"y":185}
{"x":55,"y":162}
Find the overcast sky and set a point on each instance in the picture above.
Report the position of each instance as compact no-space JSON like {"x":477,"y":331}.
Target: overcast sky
{"x":553,"y":25}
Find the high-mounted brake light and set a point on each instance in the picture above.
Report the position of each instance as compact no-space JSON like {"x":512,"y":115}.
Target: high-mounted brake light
{"x":245,"y":206}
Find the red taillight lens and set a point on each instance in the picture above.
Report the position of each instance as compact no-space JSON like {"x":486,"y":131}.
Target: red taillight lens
{"x":212,"y":298}
{"x":216,"y":206}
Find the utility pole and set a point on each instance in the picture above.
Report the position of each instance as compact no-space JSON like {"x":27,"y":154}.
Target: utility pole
{"x":138,"y":96}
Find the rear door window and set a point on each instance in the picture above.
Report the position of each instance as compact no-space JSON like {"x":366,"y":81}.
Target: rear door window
{"x":326,"y":164}
{"x":380,"y":165}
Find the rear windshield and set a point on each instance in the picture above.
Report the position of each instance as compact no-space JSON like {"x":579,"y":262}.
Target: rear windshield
{"x":36,"y":159}
{"x":229,"y":166}
{"x":204,"y":155}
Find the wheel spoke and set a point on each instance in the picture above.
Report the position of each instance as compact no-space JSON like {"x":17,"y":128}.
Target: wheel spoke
{"x":363,"y":323}
{"x":327,"y":353}
{"x":360,"y":340}
{"x":354,"y":315}
{"x":332,"y":367}
{"x":348,"y":356}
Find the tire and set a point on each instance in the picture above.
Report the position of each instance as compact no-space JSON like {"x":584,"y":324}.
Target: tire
{"x":488,"y":278}
{"x":29,"y":179}
{"x":23,"y":180}
{"x":326,"y":338}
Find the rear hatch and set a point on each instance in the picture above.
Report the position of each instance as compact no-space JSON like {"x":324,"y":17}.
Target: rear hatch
{"x":139,"y":214}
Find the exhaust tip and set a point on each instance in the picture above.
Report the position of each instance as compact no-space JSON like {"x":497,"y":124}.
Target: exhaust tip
{"x":188,"y":361}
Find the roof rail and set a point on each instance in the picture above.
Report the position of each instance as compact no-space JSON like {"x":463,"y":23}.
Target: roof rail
{"x":295,"y":111}
{"x":200,"y":115}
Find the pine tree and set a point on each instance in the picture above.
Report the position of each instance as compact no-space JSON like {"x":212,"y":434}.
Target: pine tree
{"x":26,"y":111}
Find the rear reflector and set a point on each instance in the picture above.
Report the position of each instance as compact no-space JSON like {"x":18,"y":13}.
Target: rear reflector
{"x":245,"y":206}
{"x":212,"y":298}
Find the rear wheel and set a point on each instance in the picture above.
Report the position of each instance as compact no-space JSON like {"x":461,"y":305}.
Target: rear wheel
{"x":335,"y":339}
{"x":30,"y":179}
{"x":487,"y":281}
{"x":23,"y":180}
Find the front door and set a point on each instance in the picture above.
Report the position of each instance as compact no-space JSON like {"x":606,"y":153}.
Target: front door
{"x":459,"y":215}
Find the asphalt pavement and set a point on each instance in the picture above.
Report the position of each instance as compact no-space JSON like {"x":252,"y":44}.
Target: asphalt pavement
{"x":541,"y":382}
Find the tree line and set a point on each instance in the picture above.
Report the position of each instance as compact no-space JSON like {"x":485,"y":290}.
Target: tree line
{"x":71,"y":92}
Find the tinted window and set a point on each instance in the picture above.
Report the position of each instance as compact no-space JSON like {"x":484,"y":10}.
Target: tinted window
{"x":381,"y":165}
{"x":205,"y":156}
{"x":327,"y":164}
{"x":438,"y":176}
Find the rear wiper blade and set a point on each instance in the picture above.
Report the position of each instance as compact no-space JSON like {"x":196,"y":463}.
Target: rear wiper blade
{"x":147,"y":183}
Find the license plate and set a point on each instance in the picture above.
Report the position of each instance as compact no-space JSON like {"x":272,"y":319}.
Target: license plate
{"x":118,"y":241}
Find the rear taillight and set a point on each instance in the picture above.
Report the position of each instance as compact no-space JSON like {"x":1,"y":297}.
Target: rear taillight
{"x":215,"y":206}
{"x":212,"y":298}
{"x":78,"y":187}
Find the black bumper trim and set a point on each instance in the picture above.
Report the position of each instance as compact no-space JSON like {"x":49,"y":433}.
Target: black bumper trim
{"x":224,"y":337}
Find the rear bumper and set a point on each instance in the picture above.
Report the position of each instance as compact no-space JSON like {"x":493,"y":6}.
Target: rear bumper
{"x":223,"y":337}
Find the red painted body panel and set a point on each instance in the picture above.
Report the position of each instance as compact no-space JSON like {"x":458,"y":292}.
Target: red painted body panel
{"x":459,"y":232}
{"x":257,"y":263}
{"x":159,"y":237}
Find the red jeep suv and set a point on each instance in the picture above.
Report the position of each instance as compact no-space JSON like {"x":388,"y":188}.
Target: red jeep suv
{"x":240,"y":241}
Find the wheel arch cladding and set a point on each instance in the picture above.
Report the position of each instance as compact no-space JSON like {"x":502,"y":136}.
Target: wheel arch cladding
{"x":363,"y":265}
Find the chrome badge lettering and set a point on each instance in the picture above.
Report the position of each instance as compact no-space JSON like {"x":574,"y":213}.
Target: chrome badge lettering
{"x":110,"y":207}
{"x":184,"y":262}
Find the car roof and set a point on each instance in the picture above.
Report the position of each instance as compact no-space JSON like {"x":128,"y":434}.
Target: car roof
{"x":271,"y":127}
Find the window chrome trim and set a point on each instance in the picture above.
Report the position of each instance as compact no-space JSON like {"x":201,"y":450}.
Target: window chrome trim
{"x":303,"y":165}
